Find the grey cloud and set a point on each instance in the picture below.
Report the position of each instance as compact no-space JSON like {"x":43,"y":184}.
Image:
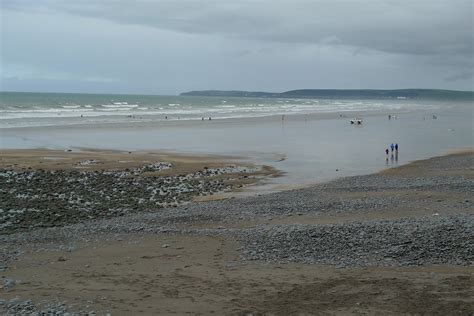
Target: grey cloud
{"x":424,"y":27}
{"x":164,"y":47}
{"x":467,"y":75}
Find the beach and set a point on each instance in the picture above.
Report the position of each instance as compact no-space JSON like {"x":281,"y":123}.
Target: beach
{"x":394,"y":242}
{"x":308,"y":147}
{"x":299,"y":213}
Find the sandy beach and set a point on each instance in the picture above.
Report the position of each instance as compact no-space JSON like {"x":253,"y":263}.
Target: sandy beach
{"x":297,"y":214}
{"x":394,"y":242}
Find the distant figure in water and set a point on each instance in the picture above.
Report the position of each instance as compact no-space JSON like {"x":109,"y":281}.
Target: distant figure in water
{"x":386,"y":152}
{"x":202,"y":118}
{"x":396,"y":147}
{"x":392,"y":147}
{"x":389,"y":117}
{"x":166,"y":117}
{"x":210,"y":118}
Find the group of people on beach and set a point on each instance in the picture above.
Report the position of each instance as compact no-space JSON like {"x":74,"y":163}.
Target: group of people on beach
{"x":392,"y":147}
{"x":393,"y":158}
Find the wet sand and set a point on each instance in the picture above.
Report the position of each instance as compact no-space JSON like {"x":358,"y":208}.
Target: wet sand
{"x":94,"y":159}
{"x":309,"y":148}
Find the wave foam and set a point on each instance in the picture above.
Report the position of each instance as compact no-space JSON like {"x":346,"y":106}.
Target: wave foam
{"x":121,"y":105}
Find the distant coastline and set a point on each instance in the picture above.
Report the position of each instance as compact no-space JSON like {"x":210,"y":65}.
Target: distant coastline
{"x":341,"y":93}
{"x":299,"y":93}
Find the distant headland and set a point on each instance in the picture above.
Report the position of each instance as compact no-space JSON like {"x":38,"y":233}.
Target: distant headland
{"x":341,"y":94}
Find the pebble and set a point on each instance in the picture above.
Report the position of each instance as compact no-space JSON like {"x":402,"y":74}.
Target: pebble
{"x":40,"y":198}
{"x":408,"y":241}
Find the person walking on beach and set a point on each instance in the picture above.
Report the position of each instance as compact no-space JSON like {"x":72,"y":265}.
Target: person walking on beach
{"x":386,"y":151}
{"x":396,"y":147}
{"x":392,"y":147}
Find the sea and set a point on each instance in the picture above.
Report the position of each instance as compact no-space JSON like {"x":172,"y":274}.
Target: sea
{"x":309,"y":140}
{"x":54,"y":109}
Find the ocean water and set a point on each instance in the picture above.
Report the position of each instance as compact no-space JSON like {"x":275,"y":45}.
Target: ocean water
{"x":308,"y":148}
{"x":54,"y":109}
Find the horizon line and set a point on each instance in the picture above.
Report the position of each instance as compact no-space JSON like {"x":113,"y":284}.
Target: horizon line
{"x":229,"y":90}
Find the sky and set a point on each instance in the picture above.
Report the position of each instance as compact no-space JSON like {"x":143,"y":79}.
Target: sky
{"x":172,"y":46}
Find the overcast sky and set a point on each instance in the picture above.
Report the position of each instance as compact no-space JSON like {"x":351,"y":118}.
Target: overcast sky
{"x":171,"y":46}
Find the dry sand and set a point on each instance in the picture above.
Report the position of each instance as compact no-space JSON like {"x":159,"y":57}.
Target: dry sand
{"x":149,"y":274}
{"x":136,"y":275}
